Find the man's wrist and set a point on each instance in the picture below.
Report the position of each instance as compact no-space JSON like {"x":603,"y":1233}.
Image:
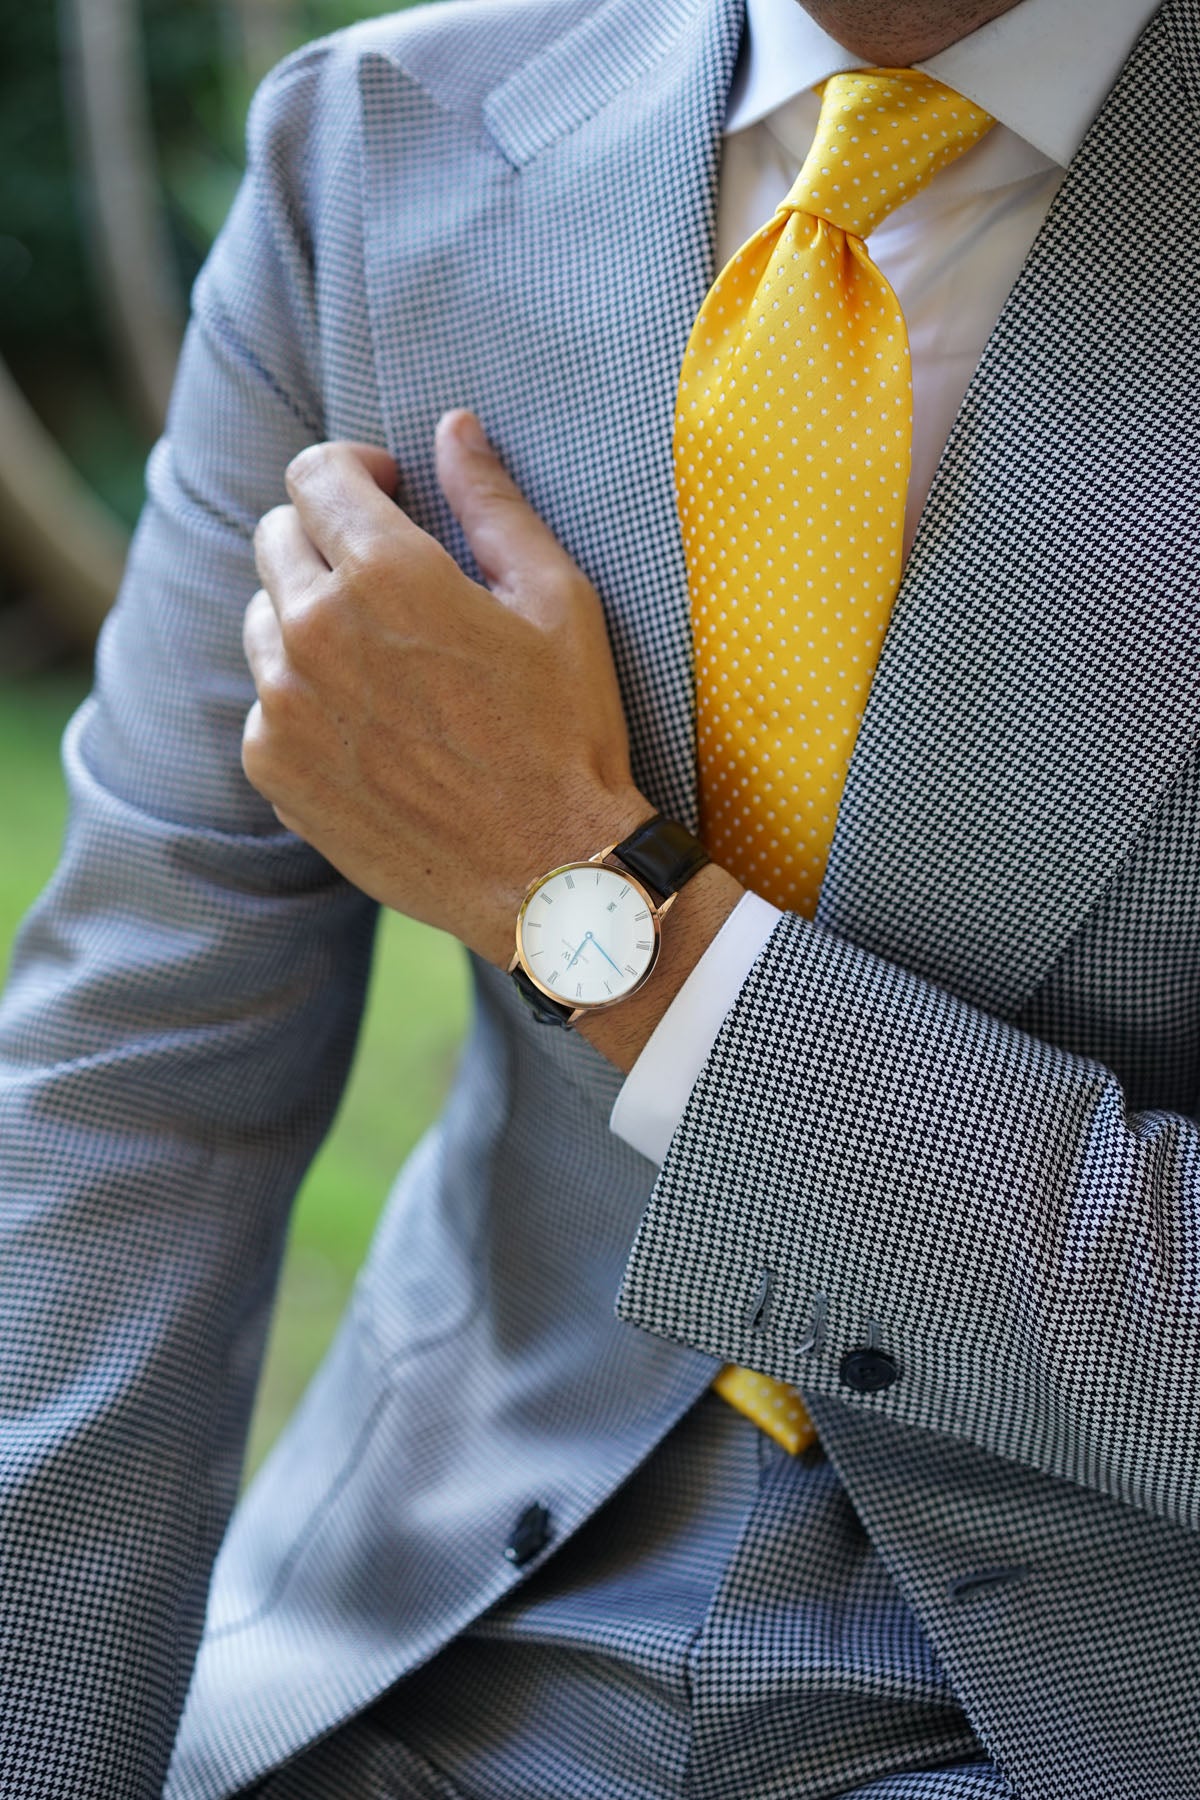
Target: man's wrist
{"x":703,"y":905}
{"x":698,"y":910}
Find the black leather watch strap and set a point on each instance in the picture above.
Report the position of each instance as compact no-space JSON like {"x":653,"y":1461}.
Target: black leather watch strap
{"x":663,"y":854}
{"x":545,"y":1010}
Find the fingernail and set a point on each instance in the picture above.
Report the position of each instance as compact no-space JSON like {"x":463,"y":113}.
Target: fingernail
{"x":470,"y":432}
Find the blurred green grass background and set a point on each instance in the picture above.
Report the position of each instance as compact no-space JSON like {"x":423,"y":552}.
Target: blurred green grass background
{"x":414,"y":1023}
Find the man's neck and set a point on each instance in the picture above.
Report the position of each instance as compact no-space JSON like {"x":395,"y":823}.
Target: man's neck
{"x":896,"y":33}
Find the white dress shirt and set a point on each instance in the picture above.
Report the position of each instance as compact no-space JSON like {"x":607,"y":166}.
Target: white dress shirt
{"x":952,"y":254}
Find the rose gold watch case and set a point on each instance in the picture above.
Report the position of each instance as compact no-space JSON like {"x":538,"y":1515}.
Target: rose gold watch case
{"x":657,"y":909}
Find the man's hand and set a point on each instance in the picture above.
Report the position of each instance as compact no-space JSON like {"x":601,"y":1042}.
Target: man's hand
{"x":440,"y":742}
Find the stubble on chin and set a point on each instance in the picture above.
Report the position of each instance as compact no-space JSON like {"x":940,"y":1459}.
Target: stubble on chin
{"x":895,"y":33}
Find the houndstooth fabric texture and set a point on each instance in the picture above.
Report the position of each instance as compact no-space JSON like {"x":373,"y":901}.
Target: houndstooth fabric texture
{"x":370,"y":1763}
{"x":1011,"y":901}
{"x":961,"y":1108}
{"x":722,"y":1628}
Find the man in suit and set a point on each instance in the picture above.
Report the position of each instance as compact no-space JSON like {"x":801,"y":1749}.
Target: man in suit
{"x":932,"y":1162}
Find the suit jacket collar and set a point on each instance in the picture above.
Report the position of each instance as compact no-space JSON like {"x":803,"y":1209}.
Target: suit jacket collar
{"x":534,"y":74}
{"x":616,"y":46}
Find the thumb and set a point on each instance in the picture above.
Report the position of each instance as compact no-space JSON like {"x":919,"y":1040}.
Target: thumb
{"x":521,"y":559}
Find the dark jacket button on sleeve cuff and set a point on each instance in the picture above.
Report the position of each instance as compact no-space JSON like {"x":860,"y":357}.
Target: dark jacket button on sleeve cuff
{"x":866,"y":1370}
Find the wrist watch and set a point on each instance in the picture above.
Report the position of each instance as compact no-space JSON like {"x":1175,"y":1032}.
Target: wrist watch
{"x":588,"y":932}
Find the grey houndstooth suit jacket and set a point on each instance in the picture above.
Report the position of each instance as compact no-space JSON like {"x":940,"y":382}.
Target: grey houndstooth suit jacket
{"x":960,"y":1106}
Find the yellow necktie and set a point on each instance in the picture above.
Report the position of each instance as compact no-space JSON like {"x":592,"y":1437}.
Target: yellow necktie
{"x":793,"y":440}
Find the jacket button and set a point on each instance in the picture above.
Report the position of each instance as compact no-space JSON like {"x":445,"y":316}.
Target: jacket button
{"x":530,"y":1534}
{"x":866,"y":1370}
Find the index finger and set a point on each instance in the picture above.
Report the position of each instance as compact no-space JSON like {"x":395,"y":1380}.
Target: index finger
{"x":343,"y":491}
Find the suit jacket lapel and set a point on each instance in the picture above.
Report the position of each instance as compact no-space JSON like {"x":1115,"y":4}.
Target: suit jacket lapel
{"x":1040,"y":684}
{"x":552,"y":284}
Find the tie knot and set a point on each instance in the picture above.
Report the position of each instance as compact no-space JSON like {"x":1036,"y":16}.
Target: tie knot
{"x":882,"y":135}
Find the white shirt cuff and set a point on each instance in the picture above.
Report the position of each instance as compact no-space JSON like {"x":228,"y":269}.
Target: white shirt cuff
{"x":655,"y":1091}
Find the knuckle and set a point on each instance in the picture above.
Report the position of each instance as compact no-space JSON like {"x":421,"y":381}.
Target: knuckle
{"x":308,"y":629}
{"x":270,"y":525}
{"x":255,"y":750}
{"x":278,"y":693}
{"x":272,"y":519}
{"x":270,"y":685}
{"x":253,"y":614}
{"x":492,"y":485}
{"x":306,"y":464}
{"x":363,"y":562}
{"x":282,"y":698}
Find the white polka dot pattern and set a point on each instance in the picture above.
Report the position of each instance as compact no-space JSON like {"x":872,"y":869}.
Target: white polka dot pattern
{"x":775,"y":1406}
{"x":793,"y":441}
{"x":792,"y":451}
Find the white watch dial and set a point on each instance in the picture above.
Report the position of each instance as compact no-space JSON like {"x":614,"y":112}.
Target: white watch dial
{"x":587,"y":934}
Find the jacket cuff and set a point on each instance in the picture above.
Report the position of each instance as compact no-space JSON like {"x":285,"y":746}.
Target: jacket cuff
{"x":653,"y":1096}
{"x":871,"y":1195}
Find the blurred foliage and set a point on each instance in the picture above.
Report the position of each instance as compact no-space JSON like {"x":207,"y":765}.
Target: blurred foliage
{"x":52,"y":325}
{"x":43,"y":278}
{"x":199,"y":89}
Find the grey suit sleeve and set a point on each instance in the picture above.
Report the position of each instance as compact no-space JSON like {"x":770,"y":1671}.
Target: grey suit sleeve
{"x":1028,"y":1250}
{"x":174,"y":1037}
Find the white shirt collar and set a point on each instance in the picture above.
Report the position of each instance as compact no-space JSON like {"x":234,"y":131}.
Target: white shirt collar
{"x":1043,"y":69}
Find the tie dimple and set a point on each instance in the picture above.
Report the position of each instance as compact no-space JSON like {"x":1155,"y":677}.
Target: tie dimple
{"x":793,"y":439}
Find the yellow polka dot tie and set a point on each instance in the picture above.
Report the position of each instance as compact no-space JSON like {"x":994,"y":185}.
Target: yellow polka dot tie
{"x":793,"y":440}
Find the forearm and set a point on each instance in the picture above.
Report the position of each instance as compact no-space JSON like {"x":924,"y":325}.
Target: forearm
{"x":621,"y":1032}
